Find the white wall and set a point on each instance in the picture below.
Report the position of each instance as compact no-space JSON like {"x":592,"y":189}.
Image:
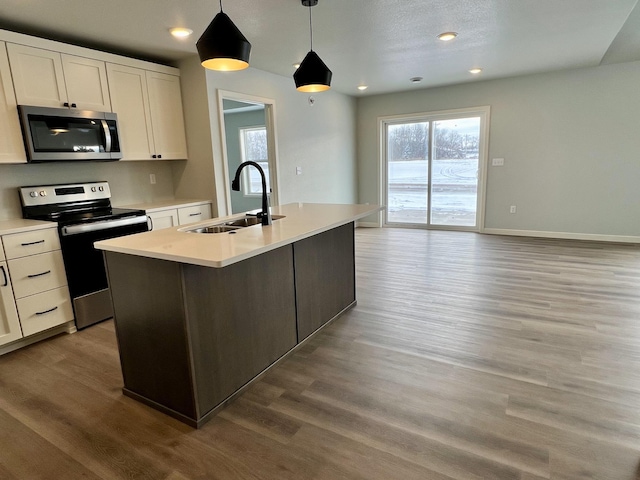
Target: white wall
{"x":320,"y":139}
{"x":129,"y":181}
{"x":570,"y":141}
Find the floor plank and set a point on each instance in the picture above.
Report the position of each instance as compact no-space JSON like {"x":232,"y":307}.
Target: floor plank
{"x":467,"y":357}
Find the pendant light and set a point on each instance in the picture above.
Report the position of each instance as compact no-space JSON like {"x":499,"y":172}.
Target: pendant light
{"x":222,"y":46}
{"x":313,"y":75}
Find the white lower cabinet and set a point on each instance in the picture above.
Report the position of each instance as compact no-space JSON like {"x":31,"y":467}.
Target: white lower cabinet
{"x":33,"y":285}
{"x":164,"y":219}
{"x":44,"y":310}
{"x":9,"y":323}
{"x":175,"y":215}
{"x":194,"y":214}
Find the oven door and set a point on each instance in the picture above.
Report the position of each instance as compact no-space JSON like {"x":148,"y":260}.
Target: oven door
{"x":85,"y":268}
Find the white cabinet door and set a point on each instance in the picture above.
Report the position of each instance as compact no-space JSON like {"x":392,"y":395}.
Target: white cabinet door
{"x":130,"y":101}
{"x":194,"y":214}
{"x":9,"y":324}
{"x":164,"y":219}
{"x":11,"y":146}
{"x":86,"y":82}
{"x":167,"y":118}
{"x":38,"y":78}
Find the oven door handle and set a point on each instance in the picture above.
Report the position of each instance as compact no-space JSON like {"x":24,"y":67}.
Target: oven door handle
{"x":104,"y":225}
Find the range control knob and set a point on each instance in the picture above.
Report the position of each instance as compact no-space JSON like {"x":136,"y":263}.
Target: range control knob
{"x":93,"y":189}
{"x":33,"y":194}
{"x":101,"y":189}
{"x":43,"y":193}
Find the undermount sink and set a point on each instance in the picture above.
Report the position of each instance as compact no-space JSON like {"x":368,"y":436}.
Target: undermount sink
{"x":229,"y":226}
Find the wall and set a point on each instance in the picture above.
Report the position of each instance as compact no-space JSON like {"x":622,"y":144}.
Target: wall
{"x":320,"y":139}
{"x":570,"y":142}
{"x":232,"y":124}
{"x":129,"y":181}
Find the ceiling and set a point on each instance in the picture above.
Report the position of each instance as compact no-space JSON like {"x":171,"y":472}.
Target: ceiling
{"x":379,"y":43}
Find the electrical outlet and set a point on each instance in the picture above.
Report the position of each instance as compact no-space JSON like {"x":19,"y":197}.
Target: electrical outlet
{"x":152,"y":178}
{"x":498,"y":162}
{"x":512,"y":209}
{"x":298,"y":170}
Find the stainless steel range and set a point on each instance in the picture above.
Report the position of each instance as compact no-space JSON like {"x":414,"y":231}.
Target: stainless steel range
{"x":84,"y":215}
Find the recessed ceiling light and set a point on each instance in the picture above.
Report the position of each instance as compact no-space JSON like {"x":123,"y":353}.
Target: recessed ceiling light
{"x":447,"y":36}
{"x":415,"y":79}
{"x":180,"y":32}
{"x":362,"y":87}
{"x":475,"y":71}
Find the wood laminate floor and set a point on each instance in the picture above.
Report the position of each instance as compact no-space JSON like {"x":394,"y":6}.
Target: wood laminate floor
{"x":467,"y":357}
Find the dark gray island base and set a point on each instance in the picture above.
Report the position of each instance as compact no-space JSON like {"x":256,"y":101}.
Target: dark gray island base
{"x":191,"y":338}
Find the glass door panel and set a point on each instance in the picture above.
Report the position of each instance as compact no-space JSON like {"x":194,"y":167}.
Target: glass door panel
{"x":408,"y":173}
{"x":454,"y":172}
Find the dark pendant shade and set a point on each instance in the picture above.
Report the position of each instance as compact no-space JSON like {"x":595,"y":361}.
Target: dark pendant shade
{"x":313,"y":75}
{"x":222,"y":46}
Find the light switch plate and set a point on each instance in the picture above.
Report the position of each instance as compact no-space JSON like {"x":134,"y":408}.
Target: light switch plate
{"x":298,"y":170}
{"x":497,"y":162}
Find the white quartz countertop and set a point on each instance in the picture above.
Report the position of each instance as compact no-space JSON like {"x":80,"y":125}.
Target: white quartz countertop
{"x":159,"y":205}
{"x":217,"y":250}
{"x":20,"y":225}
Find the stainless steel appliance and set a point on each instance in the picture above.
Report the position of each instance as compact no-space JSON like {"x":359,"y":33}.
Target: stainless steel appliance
{"x":84,"y":215}
{"x":61,"y":134}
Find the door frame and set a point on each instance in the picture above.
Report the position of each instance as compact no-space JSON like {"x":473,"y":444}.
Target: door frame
{"x":484,"y":112}
{"x":272,"y":147}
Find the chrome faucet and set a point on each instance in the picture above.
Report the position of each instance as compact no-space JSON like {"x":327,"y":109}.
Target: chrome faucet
{"x":265,"y":215}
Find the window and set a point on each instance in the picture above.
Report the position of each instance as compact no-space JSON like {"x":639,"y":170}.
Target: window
{"x":253,"y":147}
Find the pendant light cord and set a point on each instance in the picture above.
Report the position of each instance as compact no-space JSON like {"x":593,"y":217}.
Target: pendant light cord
{"x":310,"y":26}
{"x":220,"y":5}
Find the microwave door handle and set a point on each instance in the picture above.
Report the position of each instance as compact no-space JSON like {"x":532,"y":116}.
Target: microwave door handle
{"x":107,"y":135}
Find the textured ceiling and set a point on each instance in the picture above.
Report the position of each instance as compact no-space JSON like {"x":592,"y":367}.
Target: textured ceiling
{"x":380,"y":43}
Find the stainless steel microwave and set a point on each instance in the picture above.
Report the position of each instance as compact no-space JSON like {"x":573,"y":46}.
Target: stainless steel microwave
{"x":61,"y":134}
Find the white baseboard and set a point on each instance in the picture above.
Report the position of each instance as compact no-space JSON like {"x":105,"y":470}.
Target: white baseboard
{"x":367,"y":224}
{"x":565,"y":235}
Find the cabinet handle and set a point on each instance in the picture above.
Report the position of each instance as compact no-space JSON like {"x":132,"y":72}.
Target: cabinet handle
{"x":66,"y":104}
{"x":154,"y":156}
{"x":4,"y":274}
{"x":150,"y":222}
{"x":195,"y":214}
{"x":47,"y":311}
{"x":38,"y":274}
{"x":73,"y":105}
{"x":159,"y":156}
{"x":32,"y":243}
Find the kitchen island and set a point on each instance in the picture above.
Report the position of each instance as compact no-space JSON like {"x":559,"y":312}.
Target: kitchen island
{"x":199,"y":316}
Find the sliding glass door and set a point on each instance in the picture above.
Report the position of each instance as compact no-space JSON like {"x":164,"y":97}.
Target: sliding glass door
{"x":433,"y":165}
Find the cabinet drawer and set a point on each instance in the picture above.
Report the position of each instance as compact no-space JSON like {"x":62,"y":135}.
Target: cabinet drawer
{"x":45,"y":310}
{"x":37,"y":273}
{"x":30,"y":243}
{"x":194,"y":214}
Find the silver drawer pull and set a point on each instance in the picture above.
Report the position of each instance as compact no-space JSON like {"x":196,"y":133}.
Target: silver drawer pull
{"x":195,"y":214}
{"x":32,"y":243}
{"x":38,"y":274}
{"x":4,"y":274}
{"x":47,"y":311}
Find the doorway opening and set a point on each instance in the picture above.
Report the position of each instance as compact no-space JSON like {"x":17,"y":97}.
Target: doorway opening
{"x":248,"y":133}
{"x":433,"y":169}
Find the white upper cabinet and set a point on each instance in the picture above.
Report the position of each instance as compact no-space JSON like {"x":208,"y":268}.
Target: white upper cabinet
{"x":130,"y":101}
{"x":86,"y":81}
{"x":11,"y":145}
{"x":50,"y":79}
{"x":167,"y":119}
{"x":149,"y":109}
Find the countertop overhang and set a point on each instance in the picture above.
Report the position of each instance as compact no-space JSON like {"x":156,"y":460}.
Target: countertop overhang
{"x":302,"y":220}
